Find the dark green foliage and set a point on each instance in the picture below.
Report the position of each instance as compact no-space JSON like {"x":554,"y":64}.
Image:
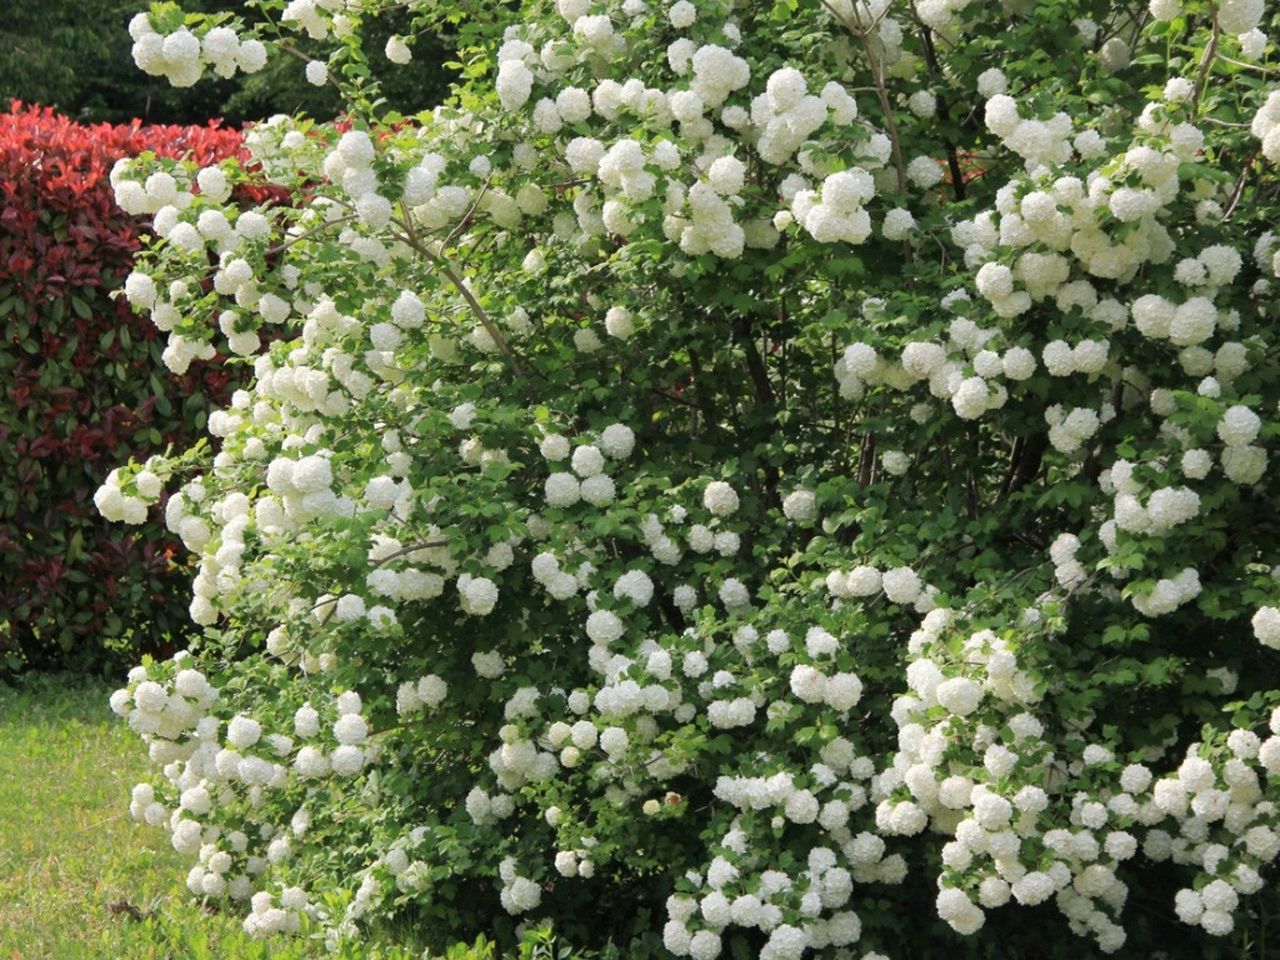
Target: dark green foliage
{"x":75,"y":56}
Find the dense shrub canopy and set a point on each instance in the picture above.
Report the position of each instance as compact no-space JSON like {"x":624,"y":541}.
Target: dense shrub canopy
{"x":83,"y":389}
{"x":763,"y":470}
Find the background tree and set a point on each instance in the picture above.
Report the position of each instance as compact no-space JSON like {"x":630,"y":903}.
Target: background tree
{"x":75,"y":56}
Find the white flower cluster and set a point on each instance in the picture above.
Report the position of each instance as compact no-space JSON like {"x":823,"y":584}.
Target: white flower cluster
{"x":519,"y":894}
{"x":181,"y":56}
{"x":707,"y":215}
{"x":963,"y":371}
{"x":587,"y":481}
{"x":560,"y":584}
{"x":724,"y":902}
{"x":146,"y":484}
{"x":1266,"y":627}
{"x":477,"y":595}
{"x":515,"y":80}
{"x":1239,"y":18}
{"x":1165,"y":509}
{"x":901,"y":585}
{"x":1070,"y":429}
{"x":193,"y":222}
{"x":836,"y":212}
{"x":787,"y":114}
{"x":989,"y":824}
{"x":1224,"y":826}
{"x":800,"y":507}
{"x":176,"y":713}
{"x":424,"y":694}
{"x":1067,"y":570}
{"x":1266,"y":127}
{"x":1039,"y":142}
{"x":1169,"y":593}
{"x":376,"y":491}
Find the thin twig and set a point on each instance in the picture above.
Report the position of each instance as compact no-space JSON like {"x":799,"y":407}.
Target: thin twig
{"x":466,"y":217}
{"x":412,"y":548}
{"x":1238,"y":192}
{"x":882,"y":93}
{"x":295,"y":52}
{"x":446,"y":269}
{"x":935,"y":71}
{"x":1206,"y":61}
{"x":281,"y":247}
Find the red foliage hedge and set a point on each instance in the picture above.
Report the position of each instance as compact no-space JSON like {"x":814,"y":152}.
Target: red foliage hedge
{"x":83,"y":390}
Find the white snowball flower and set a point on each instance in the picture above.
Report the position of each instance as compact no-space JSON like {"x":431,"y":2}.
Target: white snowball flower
{"x":514,"y":84}
{"x":598,"y":490}
{"x":924,"y":172}
{"x":350,"y":728}
{"x":397,"y":50}
{"x":898,"y":224}
{"x":734,"y":594}
{"x":1253,"y":44}
{"x":604,"y":627}
{"x":480,"y":596}
{"x":864,"y":581}
{"x":808,"y":684}
{"x":1266,"y":627}
{"x":347,"y":760}
{"x":617,"y":441}
{"x":922,"y":103}
{"x":800,"y":507}
{"x":1239,"y":426}
{"x":614,"y":741}
{"x":619,"y":323}
{"x":682,"y":14}
{"x":959,"y":695}
{"x":992,"y":82}
{"x":562,"y":490}
{"x":587,"y":461}
{"x":726,"y":175}
{"x":635,"y":586}
{"x":901,"y":585}
{"x":720,"y":498}
{"x":1240,"y":16}
{"x":317,"y":73}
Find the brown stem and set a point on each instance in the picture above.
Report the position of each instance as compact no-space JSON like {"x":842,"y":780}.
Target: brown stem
{"x":466,"y":217}
{"x":866,"y":460}
{"x":971,"y":493}
{"x":285,"y":245}
{"x":1029,"y":464}
{"x":767,"y":400}
{"x":675,"y":398}
{"x":1206,"y":61}
{"x":1238,"y":192}
{"x":755,"y":364}
{"x":446,"y":269}
{"x":882,"y":93}
{"x":953,"y":158}
{"x":1015,"y":455}
{"x":412,"y":548}
{"x":295,"y":52}
{"x":705,"y":405}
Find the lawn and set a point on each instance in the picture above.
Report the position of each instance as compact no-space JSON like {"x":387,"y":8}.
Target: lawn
{"x":80,"y":879}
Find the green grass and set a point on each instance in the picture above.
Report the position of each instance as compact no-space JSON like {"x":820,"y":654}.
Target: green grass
{"x":69,"y":850}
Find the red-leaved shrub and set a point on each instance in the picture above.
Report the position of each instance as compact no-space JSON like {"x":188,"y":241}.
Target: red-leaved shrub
{"x":82,"y":389}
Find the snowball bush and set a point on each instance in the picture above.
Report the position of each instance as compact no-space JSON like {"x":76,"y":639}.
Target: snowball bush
{"x":728,"y":461}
